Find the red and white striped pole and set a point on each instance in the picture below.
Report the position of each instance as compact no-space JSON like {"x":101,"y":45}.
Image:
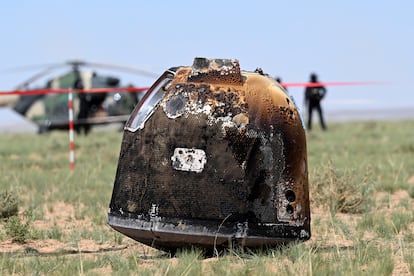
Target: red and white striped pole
{"x":71,"y":135}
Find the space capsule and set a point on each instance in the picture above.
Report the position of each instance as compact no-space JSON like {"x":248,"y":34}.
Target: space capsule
{"x":212,"y":156}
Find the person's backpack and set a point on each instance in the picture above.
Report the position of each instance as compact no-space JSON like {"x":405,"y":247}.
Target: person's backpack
{"x":316,"y":93}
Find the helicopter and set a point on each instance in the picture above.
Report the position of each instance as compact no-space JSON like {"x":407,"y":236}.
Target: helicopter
{"x":109,"y":103}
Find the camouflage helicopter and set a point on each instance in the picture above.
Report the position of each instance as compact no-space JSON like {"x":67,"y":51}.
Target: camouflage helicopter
{"x":50,"y":110}
{"x":212,"y":157}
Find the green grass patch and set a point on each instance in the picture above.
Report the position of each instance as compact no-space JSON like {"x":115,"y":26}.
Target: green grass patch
{"x":361,"y":204}
{"x":9,"y":204}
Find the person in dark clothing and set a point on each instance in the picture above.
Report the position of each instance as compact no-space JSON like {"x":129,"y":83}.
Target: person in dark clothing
{"x":88,"y":104}
{"x":313,"y":97}
{"x":83,"y":106}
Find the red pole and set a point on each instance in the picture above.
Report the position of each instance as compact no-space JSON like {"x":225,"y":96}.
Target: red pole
{"x":71,"y":135}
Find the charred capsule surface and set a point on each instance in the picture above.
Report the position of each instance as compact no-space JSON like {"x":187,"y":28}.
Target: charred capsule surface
{"x":212,"y":154}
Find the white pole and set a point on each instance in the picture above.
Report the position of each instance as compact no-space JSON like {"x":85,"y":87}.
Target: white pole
{"x":71,"y":135}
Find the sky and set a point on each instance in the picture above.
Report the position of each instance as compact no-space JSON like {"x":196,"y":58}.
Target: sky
{"x":339,"y":40}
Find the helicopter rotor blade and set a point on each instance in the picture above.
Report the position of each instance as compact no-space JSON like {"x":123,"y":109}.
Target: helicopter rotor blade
{"x":126,"y":69}
{"x":74,"y":64}
{"x":37,"y":76}
{"x":26,"y":68}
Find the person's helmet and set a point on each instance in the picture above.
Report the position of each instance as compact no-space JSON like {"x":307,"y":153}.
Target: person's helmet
{"x":313,"y":77}
{"x":212,"y":155}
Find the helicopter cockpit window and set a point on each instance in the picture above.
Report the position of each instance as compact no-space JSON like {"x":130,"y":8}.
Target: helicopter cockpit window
{"x":148,"y":104}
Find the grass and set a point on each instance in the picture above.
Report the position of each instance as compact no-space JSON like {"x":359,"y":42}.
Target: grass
{"x":9,"y":205}
{"x":361,"y":202}
{"x":17,"y":230}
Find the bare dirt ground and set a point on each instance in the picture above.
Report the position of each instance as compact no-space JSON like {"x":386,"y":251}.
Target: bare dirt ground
{"x":63,"y":215}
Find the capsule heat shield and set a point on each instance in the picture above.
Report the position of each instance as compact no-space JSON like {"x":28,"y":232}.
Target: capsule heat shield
{"x":218,"y":159}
